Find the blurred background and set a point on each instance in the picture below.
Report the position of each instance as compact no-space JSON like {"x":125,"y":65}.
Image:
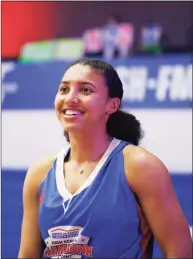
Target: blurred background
{"x":149,"y":43}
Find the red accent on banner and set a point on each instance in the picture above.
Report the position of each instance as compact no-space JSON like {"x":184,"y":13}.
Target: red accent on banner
{"x":26,"y":22}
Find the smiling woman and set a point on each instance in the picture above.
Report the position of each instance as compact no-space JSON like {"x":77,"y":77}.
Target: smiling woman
{"x":103,"y":187}
{"x":91,"y":86}
{"x":85,"y":98}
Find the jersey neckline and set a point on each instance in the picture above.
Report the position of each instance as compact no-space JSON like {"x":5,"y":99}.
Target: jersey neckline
{"x":60,"y":179}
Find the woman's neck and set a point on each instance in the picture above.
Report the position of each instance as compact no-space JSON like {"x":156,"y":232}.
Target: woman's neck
{"x":85,"y":148}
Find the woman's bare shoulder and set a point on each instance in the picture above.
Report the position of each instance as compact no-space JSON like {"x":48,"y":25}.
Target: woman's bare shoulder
{"x":140,"y":156}
{"x":142,"y":166}
{"x":38,"y":171}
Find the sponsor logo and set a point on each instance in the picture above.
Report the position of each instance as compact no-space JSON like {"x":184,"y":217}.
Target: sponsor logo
{"x":67,"y":242}
{"x":162,"y":85}
{"x":8,"y":87}
{"x":172,"y":81}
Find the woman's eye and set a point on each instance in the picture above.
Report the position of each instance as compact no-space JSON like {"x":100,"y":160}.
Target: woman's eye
{"x":86,"y":90}
{"x":63,"y":89}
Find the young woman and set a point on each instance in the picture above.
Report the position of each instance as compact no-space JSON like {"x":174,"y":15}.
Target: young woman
{"x":103,"y":196}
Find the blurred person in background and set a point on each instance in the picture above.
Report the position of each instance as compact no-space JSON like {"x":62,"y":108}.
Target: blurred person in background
{"x":118,"y":38}
{"x":151,"y":34}
{"x":110,"y":36}
{"x":102,"y":196}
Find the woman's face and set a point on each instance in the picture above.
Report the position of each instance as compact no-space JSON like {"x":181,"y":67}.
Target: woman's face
{"x":82,"y":100}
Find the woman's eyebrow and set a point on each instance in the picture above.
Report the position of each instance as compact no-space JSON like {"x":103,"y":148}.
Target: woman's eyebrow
{"x":65,"y":82}
{"x":87,"y":83}
{"x":81,"y":83}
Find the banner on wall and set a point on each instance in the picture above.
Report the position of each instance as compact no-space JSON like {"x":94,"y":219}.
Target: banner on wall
{"x":154,"y":82}
{"x":58,"y":49}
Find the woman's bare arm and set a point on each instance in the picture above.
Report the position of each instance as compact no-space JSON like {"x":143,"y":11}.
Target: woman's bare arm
{"x":31,"y":244}
{"x":150,"y":180}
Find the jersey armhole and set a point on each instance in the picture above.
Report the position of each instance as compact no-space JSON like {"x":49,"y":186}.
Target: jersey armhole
{"x":137,"y":200}
{"x":41,"y":185}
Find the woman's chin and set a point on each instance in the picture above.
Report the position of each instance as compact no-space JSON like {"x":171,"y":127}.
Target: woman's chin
{"x":72,"y":128}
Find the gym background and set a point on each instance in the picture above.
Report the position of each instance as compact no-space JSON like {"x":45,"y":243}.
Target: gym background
{"x":40,"y":39}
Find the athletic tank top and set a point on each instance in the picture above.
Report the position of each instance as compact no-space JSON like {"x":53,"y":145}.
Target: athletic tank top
{"x":101,"y":220}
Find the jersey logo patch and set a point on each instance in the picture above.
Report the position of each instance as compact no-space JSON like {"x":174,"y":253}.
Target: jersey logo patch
{"x":67,"y":242}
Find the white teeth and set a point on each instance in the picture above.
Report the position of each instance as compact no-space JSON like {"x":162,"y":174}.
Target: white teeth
{"x":71,"y":112}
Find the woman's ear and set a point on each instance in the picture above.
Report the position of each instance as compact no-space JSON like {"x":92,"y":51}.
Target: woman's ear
{"x":114,"y":105}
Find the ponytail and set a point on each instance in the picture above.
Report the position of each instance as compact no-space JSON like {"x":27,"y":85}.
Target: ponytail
{"x":125,"y":126}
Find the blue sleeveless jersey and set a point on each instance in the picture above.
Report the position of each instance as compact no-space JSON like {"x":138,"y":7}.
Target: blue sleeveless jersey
{"x":101,"y":220}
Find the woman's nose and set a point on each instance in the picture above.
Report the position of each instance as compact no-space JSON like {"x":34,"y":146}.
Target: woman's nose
{"x":72,"y":97}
